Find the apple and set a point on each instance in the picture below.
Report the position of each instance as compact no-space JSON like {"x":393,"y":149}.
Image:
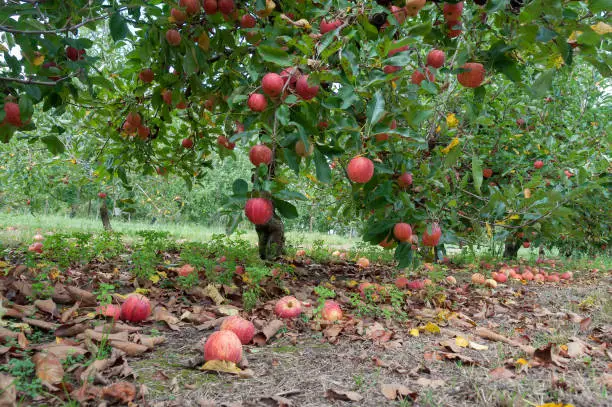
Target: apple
{"x":167,"y":97}
{"x":272,"y":84}
{"x":210,"y":6}
{"x":490,"y":283}
{"x":305,"y":91}
{"x":402,"y":232}
{"x":239,"y":270}
{"x":12,"y":114}
{"x":401,"y":282}
{"x":399,"y":13}
{"x":418,"y":76}
{"x":520,"y":122}
{"x":300,"y":253}
{"x":478,"y":278}
{"x":389,"y":69}
{"x":74,"y":54}
{"x":360,"y":170}
{"x":398,"y":50}
{"x":487,"y":173}
{"x":178,"y":15}
{"x":451,"y":280}
{"x":244,"y":330}
{"x":259,"y":210}
{"x":187,"y":143}
{"x":133,"y":119}
{"x":566,"y":276}
{"x":413,"y":7}
{"x":540,"y":278}
{"x":248,"y":21}
{"x":326,"y":27}
{"x":143,"y":132}
{"x":257,"y":102}
{"x":568,"y":174}
{"x":185,"y":270}
{"x":452,"y":11}
{"x":404,"y":180}
{"x":260,"y":154}
{"x":292,"y":75}
{"x":226,"y":6}
{"x":35,"y":247}
{"x":223,"y":345}
{"x":331,"y":311}
{"x":102,"y":195}
{"x":288,"y":307}
{"x":499,"y":277}
{"x":191,"y":6}
{"x":224,"y":142}
{"x":473,"y":76}
{"x":433,"y":238}
{"x":553,"y":278}
{"x":136,"y":308}
{"x":527,"y":275}
{"x":173,"y":37}
{"x":38,"y":237}
{"x":416,"y":285}
{"x":300,"y":149}
{"x":436,"y":58}
{"x":111,"y":310}
{"x":526,"y":244}
{"x":363,"y":262}
{"x":181,"y":105}
{"x":454,"y":29}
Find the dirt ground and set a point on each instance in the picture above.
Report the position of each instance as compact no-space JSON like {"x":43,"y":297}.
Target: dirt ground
{"x":300,"y":368}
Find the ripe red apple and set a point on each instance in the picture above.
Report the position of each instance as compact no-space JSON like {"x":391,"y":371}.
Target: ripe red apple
{"x":288,"y":307}
{"x":244,"y":330}
{"x":401,"y":282}
{"x":389,"y":69}
{"x":363,"y":262}
{"x":111,"y":310}
{"x":146,"y":75}
{"x":436,"y":58}
{"x":454,"y":29}
{"x":223,"y":345}
{"x":136,"y":308}
{"x":413,"y":7}
{"x":181,"y":105}
{"x":528,"y":276}
{"x":499,"y":277}
{"x":487,"y":173}
{"x":520,"y":122}
{"x":566,"y":276}
{"x":248,"y":21}
{"x":173,"y":37}
{"x":326,"y":26}
{"x":526,"y":244}
{"x":225,"y":6}
{"x":452,"y":12}
{"x":478,"y":278}
{"x":432,"y":238}
{"x":74,"y":54}
{"x":187,"y":143}
{"x":451,"y":280}
{"x":538,"y":164}
{"x":49,"y":65}
{"x":35,"y":247}
{"x":178,"y":15}
{"x":418,"y":76}
{"x":133,"y":119}
{"x":553,"y":278}
{"x":305,"y":91}
{"x":416,"y":285}
{"x":292,"y":75}
{"x":185,"y":270}
{"x":473,"y":76}
{"x":568,"y":174}
{"x":143,"y":132}
{"x":272,"y":84}
{"x":360,"y":170}
{"x":12,"y":114}
{"x":239,"y":270}
{"x":191,"y":6}
{"x":210,"y":6}
{"x":102,"y":195}
{"x":260,"y":154}
{"x":540,"y":278}
{"x":167,"y":96}
{"x":300,"y":148}
{"x":402,"y":232}
{"x":405,"y":180}
{"x":257,"y":102}
{"x":259,"y":210}
{"x":38,"y":237}
{"x":224,"y":142}
{"x":331,"y":311}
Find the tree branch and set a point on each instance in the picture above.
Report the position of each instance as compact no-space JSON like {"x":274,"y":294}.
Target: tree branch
{"x":30,"y":81}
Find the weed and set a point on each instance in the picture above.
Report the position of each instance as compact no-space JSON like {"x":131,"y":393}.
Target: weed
{"x":104,"y":293}
{"x":23,"y":370}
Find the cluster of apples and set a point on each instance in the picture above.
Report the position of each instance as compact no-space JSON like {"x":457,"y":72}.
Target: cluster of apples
{"x":37,"y":246}
{"x":136,"y":308}
{"x":528,"y":274}
{"x":274,"y":84}
{"x":134,"y":126}
{"x":12,"y":115}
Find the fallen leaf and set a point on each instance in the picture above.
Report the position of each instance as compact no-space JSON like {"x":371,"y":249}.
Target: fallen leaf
{"x":450,"y":345}
{"x":62,"y":351}
{"x":425,"y":382}
{"x":223,"y":366}
{"x":100,"y":336}
{"x":48,"y":368}
{"x":68,"y":330}
{"x":431,"y":328}
{"x":22,"y":341}
{"x":162,"y":314}
{"x":67,"y":314}
{"x":268,"y":332}
{"x":7,"y":333}
{"x":585,"y":324}
{"x":576,"y":349}
{"x":501,"y":373}
{"x":477,"y":346}
{"x":397,"y":391}
{"x":213,"y":293}
{"x":277,"y":401}
{"x":8,"y":391}
{"x":131,"y":348}
{"x":457,"y":356}
{"x":461,"y":341}
{"x":86,"y":298}
{"x":414,"y":332}
{"x":123,"y":392}
{"x":547,"y":355}
{"x":227,"y":310}
{"x":344,"y":395}
{"x":605,"y":380}
{"x":47,"y":326}
{"x":150,"y":341}
{"x":47,"y":306}
{"x":332,"y":331}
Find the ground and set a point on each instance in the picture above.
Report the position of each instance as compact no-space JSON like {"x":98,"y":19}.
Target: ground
{"x":445,"y":344}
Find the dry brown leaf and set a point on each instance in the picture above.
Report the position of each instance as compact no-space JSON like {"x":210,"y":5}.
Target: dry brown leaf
{"x":47,"y":306}
{"x":547,"y":355}
{"x":210,"y":324}
{"x":268,"y":332}
{"x":223,"y":366}
{"x":492,"y":336}
{"x":22,"y":340}
{"x":47,"y":326}
{"x":98,"y":365}
{"x":576,"y":349}
{"x":277,"y":401}
{"x":332,"y":331}
{"x":450,"y":345}
{"x":150,"y":341}
{"x":457,"y":356}
{"x":62,"y":351}
{"x":123,"y":392}
{"x":68,"y":313}
{"x":585,"y":324}
{"x":344,"y":395}
{"x":425,"y":382}
{"x":8,"y":391}
{"x":86,"y":298}
{"x":100,"y":336}
{"x":86,"y":393}
{"x":501,"y":373}
{"x":130,"y":348}
{"x":162,"y":314}
{"x":7,"y":333}
{"x":48,"y":368}
{"x":61,"y":295}
{"x":397,"y":391}
{"x":605,"y":380}
{"x":68,"y":330}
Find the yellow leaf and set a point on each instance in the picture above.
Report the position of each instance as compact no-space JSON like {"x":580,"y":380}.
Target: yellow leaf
{"x":393,"y":85}
{"x":489,"y":230}
{"x":204,"y":41}
{"x":438,"y":129}
{"x":477,"y":346}
{"x":452,"y":145}
{"x":38,"y":60}
{"x":461,"y":341}
{"x":221,"y":366}
{"x":432,"y":328}
{"x":574,"y":35}
{"x":143,"y":291}
{"x":451,"y":120}
{"x":514,"y":217}
{"x":414,"y":332}
{"x":559,"y":62}
{"x":522,"y":362}
{"x":352,"y":283}
{"x":602,"y":28}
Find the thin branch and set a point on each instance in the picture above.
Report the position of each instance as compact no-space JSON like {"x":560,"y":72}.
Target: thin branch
{"x":30,"y":81}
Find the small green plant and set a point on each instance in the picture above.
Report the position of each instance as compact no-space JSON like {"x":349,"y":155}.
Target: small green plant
{"x":23,"y":370}
{"x":144,"y":261}
{"x":250,"y":298}
{"x":323,"y":293}
{"x":104,"y":293}
{"x":188,"y":281}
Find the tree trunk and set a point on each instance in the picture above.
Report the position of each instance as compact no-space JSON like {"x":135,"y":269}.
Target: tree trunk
{"x":271,"y":239}
{"x":104,"y":216}
{"x":511,"y":248}
{"x":541,"y":252}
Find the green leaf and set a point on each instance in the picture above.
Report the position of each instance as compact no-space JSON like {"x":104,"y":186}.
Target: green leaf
{"x":286,"y":209}
{"x":240,"y":187}
{"x":282,"y":114}
{"x":54,"y":145}
{"x":403,"y":254}
{"x":275,"y":55}
{"x":545,"y":35}
{"x":477,"y":172}
{"x":118,"y":27}
{"x":543,"y":83}
{"x":376,"y":108}
{"x":322,"y":167}
{"x":600,"y":5}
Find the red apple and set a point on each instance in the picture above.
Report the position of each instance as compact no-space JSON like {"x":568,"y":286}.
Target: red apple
{"x":402,"y":232}
{"x":223,"y":345}
{"x":272,"y":84}
{"x":12,"y":114}
{"x":35,"y":247}
{"x":389,"y":69}
{"x":394,"y":51}
{"x":173,"y":37}
{"x":259,"y":210}
{"x":111,"y":310}
{"x":143,"y":132}
{"x":360,"y":170}
{"x":178,"y":15}
{"x":500,"y":277}
{"x":101,"y":195}
{"x":478,"y":279}
{"x":288,"y":307}
{"x":399,"y":13}
{"x":436,"y":58}
{"x":210,"y":6}
{"x":224,"y":142}
{"x":257,"y":102}
{"x":38,"y":237}
{"x":292,"y":75}
{"x":413,"y":7}
{"x":331,"y":311}
{"x":418,"y":76}
{"x":74,"y":54}
{"x":363,"y":262}
{"x":566,"y":276}
{"x":187,"y":143}
{"x":404,"y":180}
{"x":487,"y":173}
{"x":244,"y":330}
{"x":185,"y":270}
{"x":191,"y":6}
{"x":225,"y":6}
{"x":326,"y":27}
{"x":433,"y":238}
{"x":248,"y":21}
{"x":416,"y":285}
{"x":538,"y":164}
{"x":452,"y":11}
{"x":136,"y":308}
{"x":260,"y":154}
{"x":401,"y":282}
{"x":167,"y":96}
{"x":304,"y":90}
{"x":526,"y":244}
{"x":473,"y":76}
